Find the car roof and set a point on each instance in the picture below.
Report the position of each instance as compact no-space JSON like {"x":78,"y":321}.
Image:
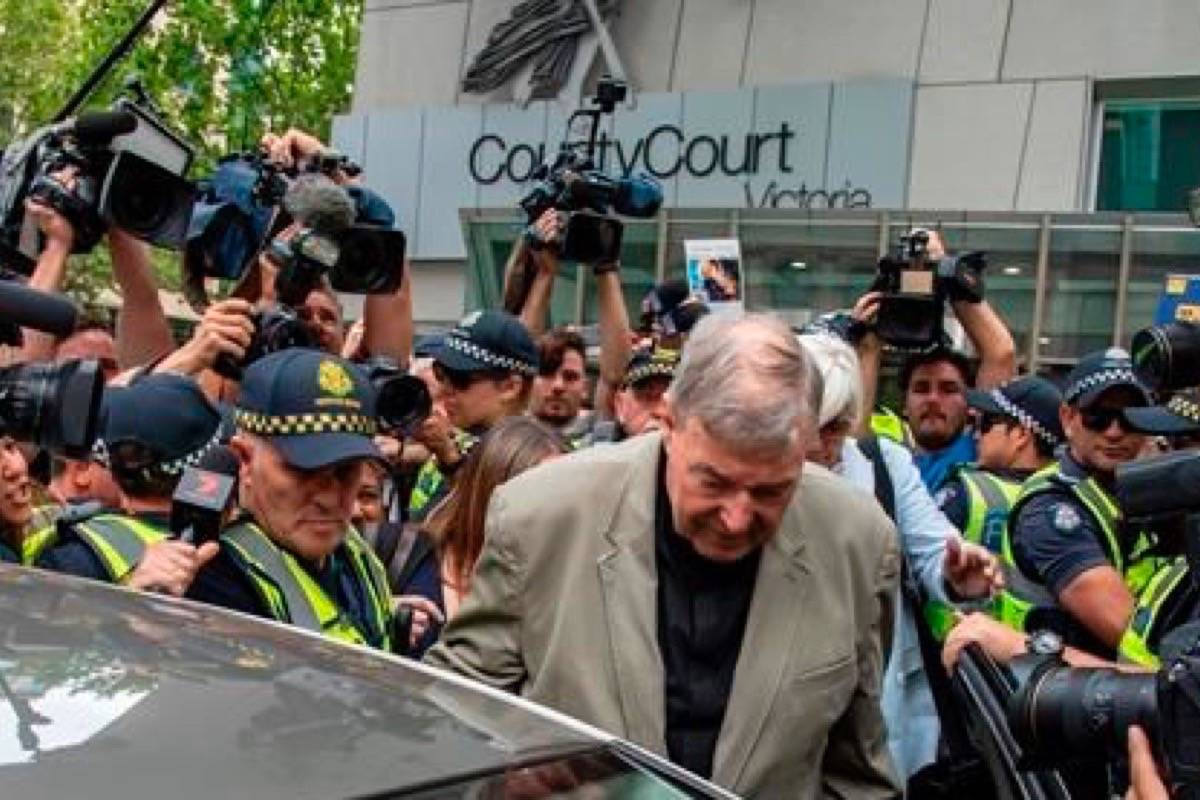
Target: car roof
{"x":110,"y":692}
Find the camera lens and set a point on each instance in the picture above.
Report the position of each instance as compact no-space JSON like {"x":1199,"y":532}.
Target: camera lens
{"x":55,"y":406}
{"x":1167,"y":357}
{"x":1064,"y":713}
{"x":403,"y":402}
{"x":280,"y":330}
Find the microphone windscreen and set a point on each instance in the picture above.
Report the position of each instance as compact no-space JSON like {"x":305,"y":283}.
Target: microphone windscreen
{"x":318,"y":203}
{"x":29,"y":308}
{"x":103,"y":126}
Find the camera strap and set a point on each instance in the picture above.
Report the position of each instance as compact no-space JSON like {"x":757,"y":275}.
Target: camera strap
{"x":954,"y":734}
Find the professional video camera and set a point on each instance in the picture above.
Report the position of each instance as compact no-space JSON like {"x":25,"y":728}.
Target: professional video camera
{"x":1063,"y":714}
{"x":249,"y":199}
{"x":130,"y":170}
{"x":1167,"y":357}
{"x":402,"y":401}
{"x":575,"y":185}
{"x":915,"y":290}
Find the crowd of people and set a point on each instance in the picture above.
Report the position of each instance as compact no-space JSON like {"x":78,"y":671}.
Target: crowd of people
{"x":749,"y":554}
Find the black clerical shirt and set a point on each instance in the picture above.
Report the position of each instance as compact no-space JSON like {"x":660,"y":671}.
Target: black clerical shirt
{"x":702,"y":611}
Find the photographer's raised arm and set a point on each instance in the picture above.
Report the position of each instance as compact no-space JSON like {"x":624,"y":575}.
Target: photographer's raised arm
{"x":388,"y":322}
{"x":616,"y":346}
{"x":535,"y":307}
{"x":143,"y":333}
{"x":869,"y":348}
{"x":992,"y":341}
{"x":49,"y":273}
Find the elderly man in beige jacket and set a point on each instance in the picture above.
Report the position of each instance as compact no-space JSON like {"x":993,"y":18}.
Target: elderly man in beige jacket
{"x":689,"y":591}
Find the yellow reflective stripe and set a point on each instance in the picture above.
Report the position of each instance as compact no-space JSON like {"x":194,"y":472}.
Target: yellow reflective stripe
{"x":1135,"y":641}
{"x":293,"y":596}
{"x":372,"y":576}
{"x":118,"y":541}
{"x":37,"y":543}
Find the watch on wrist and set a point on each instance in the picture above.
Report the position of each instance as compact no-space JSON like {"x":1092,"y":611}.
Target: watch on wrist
{"x":605,"y":268}
{"x":1045,"y":643}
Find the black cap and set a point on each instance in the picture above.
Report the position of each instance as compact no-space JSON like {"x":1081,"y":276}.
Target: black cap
{"x":317,"y":409}
{"x":487,"y":340}
{"x":1098,"y":372}
{"x":1181,"y":414}
{"x":166,"y":415}
{"x":659,"y":362}
{"x":1030,"y":400}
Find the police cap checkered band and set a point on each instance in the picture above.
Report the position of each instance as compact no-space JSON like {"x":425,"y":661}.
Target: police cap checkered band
{"x":1185,"y":407}
{"x":304,"y":424}
{"x":482,"y":354}
{"x":1024,"y":417}
{"x":1113,"y":376}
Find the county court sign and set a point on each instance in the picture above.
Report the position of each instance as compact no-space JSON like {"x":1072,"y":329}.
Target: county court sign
{"x":805,"y":146}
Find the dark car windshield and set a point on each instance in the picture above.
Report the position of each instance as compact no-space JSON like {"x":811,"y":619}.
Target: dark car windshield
{"x":602,"y":773}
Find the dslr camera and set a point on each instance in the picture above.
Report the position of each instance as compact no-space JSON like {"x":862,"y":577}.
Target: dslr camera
{"x":402,"y":401}
{"x":575,"y":185}
{"x":130,"y":173}
{"x":915,"y":289}
{"x":1062,"y":714}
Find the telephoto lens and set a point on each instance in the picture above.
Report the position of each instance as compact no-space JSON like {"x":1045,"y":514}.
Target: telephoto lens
{"x":402,"y":401}
{"x":1066,"y":714}
{"x":1167,"y":357}
{"x":55,"y":406}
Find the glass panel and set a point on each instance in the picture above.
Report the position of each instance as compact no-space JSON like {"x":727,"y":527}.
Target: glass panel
{"x":1080,"y":292}
{"x":809,"y":267}
{"x":1156,"y":254}
{"x":1148,"y":155}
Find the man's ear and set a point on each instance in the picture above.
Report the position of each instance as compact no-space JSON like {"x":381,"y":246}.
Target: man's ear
{"x":242,"y":447}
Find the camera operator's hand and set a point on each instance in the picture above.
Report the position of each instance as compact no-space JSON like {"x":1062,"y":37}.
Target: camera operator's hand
{"x":547,"y":234}
{"x":424,"y":615}
{"x":1144,"y":780}
{"x":997,"y":639}
{"x":865,"y":313}
{"x":226,"y":329}
{"x":437,"y":434}
{"x":170,"y":566}
{"x":935,"y":249}
{"x":293,"y":148}
{"x":53,"y":225}
{"x":971,"y":570}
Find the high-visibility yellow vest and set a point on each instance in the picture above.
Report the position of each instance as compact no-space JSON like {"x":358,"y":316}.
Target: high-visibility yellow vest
{"x":1134,"y":647}
{"x":990,"y":498}
{"x":293,"y":596}
{"x":118,"y":541}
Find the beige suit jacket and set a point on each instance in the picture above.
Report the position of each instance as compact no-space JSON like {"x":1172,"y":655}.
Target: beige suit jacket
{"x":563,"y":609}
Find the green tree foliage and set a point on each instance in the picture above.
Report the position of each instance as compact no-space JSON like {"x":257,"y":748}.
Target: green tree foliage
{"x":222,"y":71}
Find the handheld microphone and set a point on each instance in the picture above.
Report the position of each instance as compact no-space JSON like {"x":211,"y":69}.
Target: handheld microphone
{"x":29,"y":308}
{"x":204,"y":494}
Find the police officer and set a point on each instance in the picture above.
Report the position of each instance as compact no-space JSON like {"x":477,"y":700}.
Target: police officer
{"x":1016,"y":429}
{"x":304,"y":425}
{"x":1168,"y":596}
{"x":1065,"y":536}
{"x":640,"y":403}
{"x":485,"y":368}
{"x":153,"y":430}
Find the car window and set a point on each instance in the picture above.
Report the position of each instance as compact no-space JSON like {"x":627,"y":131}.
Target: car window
{"x":598,"y":775}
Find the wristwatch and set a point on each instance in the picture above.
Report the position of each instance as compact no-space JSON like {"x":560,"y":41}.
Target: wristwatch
{"x":1045,"y":643}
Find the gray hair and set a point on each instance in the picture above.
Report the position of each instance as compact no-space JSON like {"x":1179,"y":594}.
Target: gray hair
{"x":837,"y":362}
{"x":748,"y":382}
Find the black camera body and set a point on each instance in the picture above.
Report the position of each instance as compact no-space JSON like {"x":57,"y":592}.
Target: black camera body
{"x":55,"y":406}
{"x":402,"y":401}
{"x":1064,"y":714}
{"x":130,"y":172}
{"x":915,"y":289}
{"x":275,"y":329}
{"x":574,"y":185}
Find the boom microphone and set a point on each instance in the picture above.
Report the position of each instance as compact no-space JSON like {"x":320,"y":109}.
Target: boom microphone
{"x":29,"y":308}
{"x":99,"y":127}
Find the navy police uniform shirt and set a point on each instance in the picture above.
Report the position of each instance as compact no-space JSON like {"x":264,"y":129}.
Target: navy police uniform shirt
{"x":1054,"y":538}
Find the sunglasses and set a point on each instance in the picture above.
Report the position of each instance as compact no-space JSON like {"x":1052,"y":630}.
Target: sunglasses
{"x":1098,"y":420}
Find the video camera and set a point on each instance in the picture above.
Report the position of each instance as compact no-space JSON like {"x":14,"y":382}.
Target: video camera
{"x":915,"y":290}
{"x":1167,"y":357}
{"x":1062,"y":714}
{"x":575,"y":185}
{"x":130,"y":170}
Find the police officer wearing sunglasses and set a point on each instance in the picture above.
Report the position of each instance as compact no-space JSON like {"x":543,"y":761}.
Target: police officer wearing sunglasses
{"x":1065,"y":533}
